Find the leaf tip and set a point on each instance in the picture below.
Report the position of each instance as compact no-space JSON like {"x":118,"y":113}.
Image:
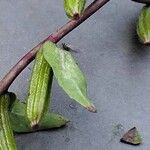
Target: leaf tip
{"x":92,"y":108}
{"x":34,"y":125}
{"x":147,"y":42}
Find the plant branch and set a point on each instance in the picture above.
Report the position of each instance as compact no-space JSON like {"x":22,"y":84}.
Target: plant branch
{"x":55,"y":37}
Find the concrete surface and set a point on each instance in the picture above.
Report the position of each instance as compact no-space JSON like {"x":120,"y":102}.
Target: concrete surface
{"x":116,"y":65}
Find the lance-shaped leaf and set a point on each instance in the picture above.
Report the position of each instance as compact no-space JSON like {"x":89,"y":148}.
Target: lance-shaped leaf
{"x":143,"y":25}
{"x":7,"y":140}
{"x":68,"y":74}
{"x":20,"y":123}
{"x":39,"y":90}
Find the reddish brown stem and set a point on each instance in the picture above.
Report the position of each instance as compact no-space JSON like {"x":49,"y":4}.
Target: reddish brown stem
{"x":55,"y":37}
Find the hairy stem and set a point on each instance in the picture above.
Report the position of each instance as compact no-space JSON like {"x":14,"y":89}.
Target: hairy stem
{"x":55,"y":37}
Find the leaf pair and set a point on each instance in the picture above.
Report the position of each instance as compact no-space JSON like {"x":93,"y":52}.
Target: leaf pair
{"x":13,"y":117}
{"x":68,"y":74}
{"x":21,"y":124}
{"x":36,"y":109}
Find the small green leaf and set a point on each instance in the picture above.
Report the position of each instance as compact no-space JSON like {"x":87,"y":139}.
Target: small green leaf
{"x":21,"y":124}
{"x":52,"y":120}
{"x":19,"y":121}
{"x":68,"y":74}
{"x":74,"y":8}
{"x":143,"y":25}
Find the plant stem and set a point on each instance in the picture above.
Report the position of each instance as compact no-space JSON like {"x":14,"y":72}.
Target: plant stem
{"x":55,"y":37}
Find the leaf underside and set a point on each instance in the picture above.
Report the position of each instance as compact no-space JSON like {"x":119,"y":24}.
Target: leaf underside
{"x":68,"y":74}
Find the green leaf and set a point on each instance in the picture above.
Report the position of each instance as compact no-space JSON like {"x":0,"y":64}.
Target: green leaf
{"x":39,"y":90}
{"x":68,"y":74}
{"x":19,"y":121}
{"x":7,"y":140}
{"x":143,"y":25}
{"x":74,"y":8}
{"x":21,"y":124}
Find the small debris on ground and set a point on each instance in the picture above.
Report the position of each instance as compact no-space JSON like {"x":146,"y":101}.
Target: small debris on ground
{"x":117,"y":133}
{"x":118,"y":130}
{"x":132,"y":137}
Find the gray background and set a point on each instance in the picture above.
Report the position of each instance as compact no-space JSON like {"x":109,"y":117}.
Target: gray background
{"x":117,"y":68}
